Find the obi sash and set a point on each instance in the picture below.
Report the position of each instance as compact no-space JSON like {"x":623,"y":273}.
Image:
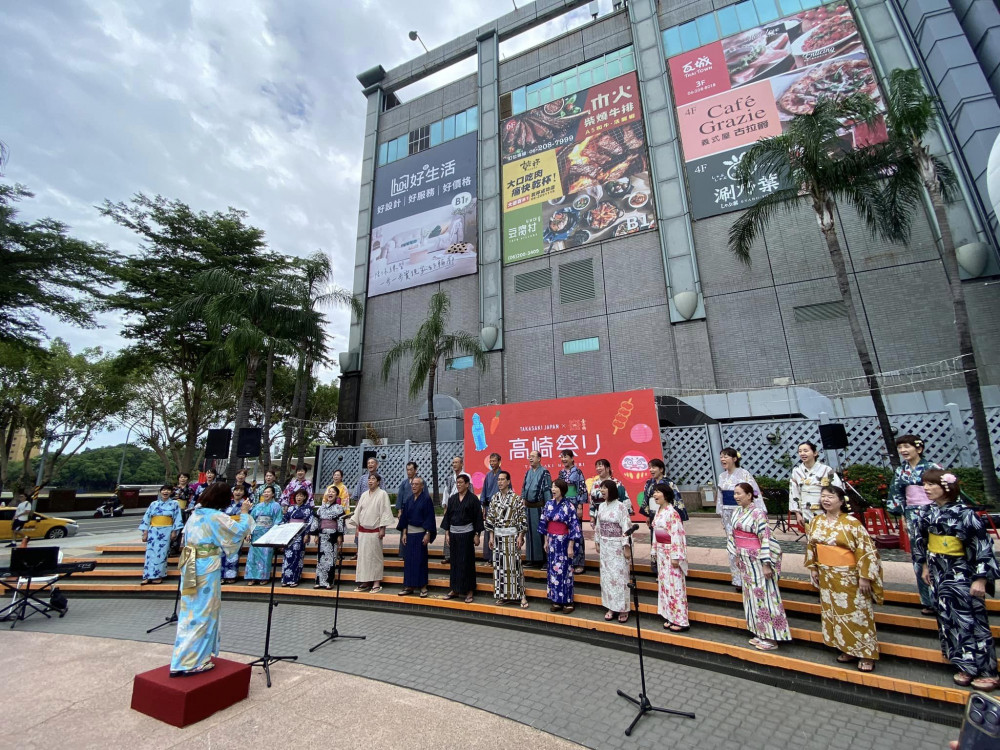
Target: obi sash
{"x":161,"y":521}
{"x":189,"y":565}
{"x":571,"y":491}
{"x":662,"y":536}
{"x":945,"y":545}
{"x":745,"y":540}
{"x":810,"y":496}
{"x":264,"y":521}
{"x":835,"y":556}
{"x":236,"y":517}
{"x":505,"y":531}
{"x":728,"y":497}
{"x":411,"y":529}
{"x":465,"y":528}
{"x":299,"y":520}
{"x":916,"y":495}
{"x":366,"y":530}
{"x":328,"y":524}
{"x":557,"y":528}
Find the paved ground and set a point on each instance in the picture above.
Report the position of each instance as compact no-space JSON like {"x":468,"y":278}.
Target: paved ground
{"x":542,"y":681}
{"x":81,"y":690}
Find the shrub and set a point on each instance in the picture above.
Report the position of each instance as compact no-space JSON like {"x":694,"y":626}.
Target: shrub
{"x":870,"y":481}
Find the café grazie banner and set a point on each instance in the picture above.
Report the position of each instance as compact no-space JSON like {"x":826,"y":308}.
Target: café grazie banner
{"x":733,"y":92}
{"x":621,"y":427}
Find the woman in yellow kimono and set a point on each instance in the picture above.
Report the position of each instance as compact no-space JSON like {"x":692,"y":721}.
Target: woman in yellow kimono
{"x":208,"y":533}
{"x":845,"y":567}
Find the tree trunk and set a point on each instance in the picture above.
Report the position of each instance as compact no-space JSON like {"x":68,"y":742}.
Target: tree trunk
{"x":265,"y":445}
{"x":969,"y":368}
{"x":7,"y":435}
{"x":287,"y":429}
{"x":192,"y":413}
{"x":829,"y":230}
{"x":300,"y":432}
{"x":432,"y":426}
{"x":242,"y":414}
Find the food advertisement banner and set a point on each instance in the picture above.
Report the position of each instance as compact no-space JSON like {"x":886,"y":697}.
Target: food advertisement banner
{"x":734,"y":92}
{"x":621,"y":427}
{"x":424,"y":218}
{"x":576,"y":171}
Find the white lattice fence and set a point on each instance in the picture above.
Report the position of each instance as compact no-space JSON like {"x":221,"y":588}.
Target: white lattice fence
{"x":391,"y":459}
{"x":993,"y":420}
{"x":687,"y":454}
{"x":775,"y":456}
{"x":421,"y":453}
{"x":865,"y":443}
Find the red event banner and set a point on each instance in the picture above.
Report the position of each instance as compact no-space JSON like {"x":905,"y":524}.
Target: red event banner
{"x":621,"y":427}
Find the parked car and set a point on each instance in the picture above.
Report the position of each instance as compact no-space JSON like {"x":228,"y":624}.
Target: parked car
{"x":39,"y":526}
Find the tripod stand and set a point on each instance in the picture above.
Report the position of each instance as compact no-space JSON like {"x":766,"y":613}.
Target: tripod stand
{"x":267,"y":660}
{"x":643,"y":700}
{"x":334,"y":634}
{"x":172,"y":618}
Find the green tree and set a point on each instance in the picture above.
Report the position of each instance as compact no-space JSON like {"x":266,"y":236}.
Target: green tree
{"x":45,"y":270}
{"x":810,"y":158}
{"x":177,"y":244}
{"x":910,"y":115}
{"x":427,"y":348}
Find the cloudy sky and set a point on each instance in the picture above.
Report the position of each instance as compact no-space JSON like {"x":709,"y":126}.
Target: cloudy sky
{"x":245,"y":103}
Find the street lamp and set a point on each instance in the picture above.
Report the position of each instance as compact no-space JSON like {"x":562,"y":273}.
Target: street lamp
{"x":414,"y":37}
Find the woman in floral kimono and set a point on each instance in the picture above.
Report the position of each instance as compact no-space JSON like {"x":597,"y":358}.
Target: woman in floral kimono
{"x":231,"y":563}
{"x":209,"y":532}
{"x":328,"y":525}
{"x":725,"y":501}
{"x":266,"y":513}
{"x":758,"y":560}
{"x":845,"y":567}
{"x":956,"y":556}
{"x":670,"y":547}
{"x":161,"y":524}
{"x":298,"y":512}
{"x":561,"y":528}
{"x":610,"y":528}
{"x":508,"y":521}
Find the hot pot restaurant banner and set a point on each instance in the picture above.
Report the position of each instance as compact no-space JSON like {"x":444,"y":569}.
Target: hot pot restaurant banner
{"x":621,"y":427}
{"x":745,"y":87}
{"x":424,"y":218}
{"x":576,"y":171}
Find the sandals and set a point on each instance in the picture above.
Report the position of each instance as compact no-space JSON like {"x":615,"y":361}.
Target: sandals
{"x":579,"y":571}
{"x":763,"y":645}
{"x":929,"y":611}
{"x":250,"y":582}
{"x":568,"y":608}
{"x":866,"y":665}
{"x":962,"y":679}
{"x":145,"y":582}
{"x":155,"y":581}
{"x":754,"y":641}
{"x":623,"y":617}
{"x":609,"y":616}
{"x":423,"y":593}
{"x":675,"y":628}
{"x":556,"y":608}
{"x":450,"y":595}
{"x":986,"y":684}
{"x":405,"y":592}
{"x":524,"y":603}
{"x":469,"y":599}
{"x":360,"y":589}
{"x":376,"y":589}
{"x":500,"y":602}
{"x":847,"y":659}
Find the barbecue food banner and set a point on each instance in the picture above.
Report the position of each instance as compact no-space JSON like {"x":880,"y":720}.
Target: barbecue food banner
{"x":621,"y":427}
{"x":576,"y":171}
{"x":734,"y":92}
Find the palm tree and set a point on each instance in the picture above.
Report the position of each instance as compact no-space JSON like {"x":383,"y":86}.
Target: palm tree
{"x":809,"y":156}
{"x":427,"y":348}
{"x":910,"y":116}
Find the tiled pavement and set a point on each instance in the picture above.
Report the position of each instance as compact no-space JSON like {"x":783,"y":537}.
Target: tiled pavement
{"x":544,"y":681}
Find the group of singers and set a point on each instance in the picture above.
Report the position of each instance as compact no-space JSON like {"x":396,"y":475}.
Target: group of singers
{"x":542,"y":526}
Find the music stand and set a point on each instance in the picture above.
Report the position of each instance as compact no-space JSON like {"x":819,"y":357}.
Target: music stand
{"x":277,"y":538}
{"x":28,"y":563}
{"x":643,"y":700}
{"x":334,"y":634}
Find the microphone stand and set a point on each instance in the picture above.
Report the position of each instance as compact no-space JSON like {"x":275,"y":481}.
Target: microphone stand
{"x":172,"y":618}
{"x":334,"y":634}
{"x":643,"y":700}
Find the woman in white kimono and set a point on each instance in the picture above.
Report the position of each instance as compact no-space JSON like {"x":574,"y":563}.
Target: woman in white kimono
{"x":807,"y":482}
{"x":725,"y":501}
{"x":610,"y":529}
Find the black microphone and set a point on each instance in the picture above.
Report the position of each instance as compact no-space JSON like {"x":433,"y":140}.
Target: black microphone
{"x":635,"y":528}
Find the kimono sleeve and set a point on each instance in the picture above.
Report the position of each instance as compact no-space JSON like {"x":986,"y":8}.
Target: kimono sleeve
{"x":543,"y":518}
{"x":178,"y":516}
{"x":794,"y":491}
{"x":626,"y":500}
{"x":490,"y":519}
{"x":477,"y":514}
{"x":811,"y":561}
{"x":147,"y":517}
{"x":575,"y":530}
{"x":423,"y":508}
{"x":446,"y":516}
{"x":894,"y":503}
{"x":678,"y":537}
{"x":545,"y":485}
{"x":869,"y":563}
{"x":385,"y":509}
{"x":979,"y":546}
{"x":520,"y":518}
{"x":229,"y":534}
{"x":918,"y":540}
{"x":758,"y":519}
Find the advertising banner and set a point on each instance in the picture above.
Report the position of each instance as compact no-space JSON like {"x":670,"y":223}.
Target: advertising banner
{"x":424,"y":218}
{"x":745,"y":87}
{"x":621,"y":427}
{"x":576,"y":171}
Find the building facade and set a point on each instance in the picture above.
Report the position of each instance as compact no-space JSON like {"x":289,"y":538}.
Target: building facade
{"x":574,"y":201}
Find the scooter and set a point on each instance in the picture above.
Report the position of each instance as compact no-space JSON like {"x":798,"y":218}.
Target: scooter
{"x":110,"y":508}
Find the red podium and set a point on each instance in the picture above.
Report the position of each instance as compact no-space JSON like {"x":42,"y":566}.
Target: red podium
{"x":186,"y":700}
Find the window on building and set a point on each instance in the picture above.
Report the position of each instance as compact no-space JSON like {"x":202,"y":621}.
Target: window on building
{"x":569,"y":81}
{"x":459,"y":363}
{"x":579,"y":346}
{"x":430,"y":135}
{"x":420,"y":139}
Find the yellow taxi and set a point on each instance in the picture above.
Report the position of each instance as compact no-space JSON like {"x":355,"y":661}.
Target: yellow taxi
{"x":39,"y":526}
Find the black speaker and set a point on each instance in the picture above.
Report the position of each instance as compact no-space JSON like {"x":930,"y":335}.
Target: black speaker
{"x":217,"y":445}
{"x":833,"y":435}
{"x":248,"y":442}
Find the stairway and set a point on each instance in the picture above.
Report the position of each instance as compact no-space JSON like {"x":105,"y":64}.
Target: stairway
{"x":912,"y":678}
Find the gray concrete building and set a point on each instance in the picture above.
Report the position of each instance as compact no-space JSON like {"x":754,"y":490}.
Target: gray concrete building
{"x":670,"y":307}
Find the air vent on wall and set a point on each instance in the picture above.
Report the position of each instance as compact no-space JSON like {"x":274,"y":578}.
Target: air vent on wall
{"x":506,"y":106}
{"x":532,"y":281}
{"x":820,"y":311}
{"x":576,"y":281}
